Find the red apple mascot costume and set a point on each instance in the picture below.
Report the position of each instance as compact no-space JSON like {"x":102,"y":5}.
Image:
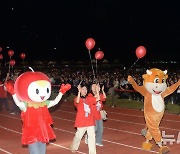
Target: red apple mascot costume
{"x":30,"y":93}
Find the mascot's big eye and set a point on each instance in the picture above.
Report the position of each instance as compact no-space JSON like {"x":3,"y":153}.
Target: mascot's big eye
{"x":47,"y":90}
{"x":156,"y":80}
{"x":37,"y":91}
{"x":163,"y":80}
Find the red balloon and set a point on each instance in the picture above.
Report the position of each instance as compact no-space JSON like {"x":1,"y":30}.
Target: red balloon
{"x":99,"y":55}
{"x":1,"y":56}
{"x":0,"y":49}
{"x":12,"y":62}
{"x":140,"y":51}
{"x":22,"y":55}
{"x":10,"y":53}
{"x":90,"y":43}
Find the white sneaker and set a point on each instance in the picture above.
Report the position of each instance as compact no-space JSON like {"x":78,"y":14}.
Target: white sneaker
{"x":100,"y":145}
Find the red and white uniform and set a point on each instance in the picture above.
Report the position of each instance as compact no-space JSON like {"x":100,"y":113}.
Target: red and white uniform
{"x":97,"y":106}
{"x":84,"y":117}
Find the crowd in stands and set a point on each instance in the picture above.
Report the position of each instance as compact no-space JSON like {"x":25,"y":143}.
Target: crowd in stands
{"x":112,"y":79}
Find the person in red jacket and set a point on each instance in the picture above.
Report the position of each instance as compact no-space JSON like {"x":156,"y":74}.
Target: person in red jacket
{"x":3,"y":93}
{"x":97,"y":98}
{"x":14,"y":108}
{"x":84,"y":121}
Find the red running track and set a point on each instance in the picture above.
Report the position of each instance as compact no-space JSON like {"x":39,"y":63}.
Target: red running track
{"x":121,"y":132}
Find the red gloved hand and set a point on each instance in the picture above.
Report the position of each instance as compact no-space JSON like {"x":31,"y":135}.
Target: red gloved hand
{"x":64,"y":88}
{"x":10,"y":88}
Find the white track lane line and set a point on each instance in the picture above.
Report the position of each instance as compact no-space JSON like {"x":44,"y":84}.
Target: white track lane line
{"x":5,"y":151}
{"x":119,"y":121}
{"x":49,"y":142}
{"x":117,"y":108}
{"x":131,"y":115}
{"x":126,"y":145}
{"x":65,"y":148}
{"x":129,"y":146}
{"x":141,"y":116}
{"x":104,"y":127}
{"x":73,"y":121}
{"x":110,"y":141}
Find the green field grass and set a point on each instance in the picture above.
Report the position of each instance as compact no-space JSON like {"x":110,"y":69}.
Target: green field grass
{"x":131,"y":104}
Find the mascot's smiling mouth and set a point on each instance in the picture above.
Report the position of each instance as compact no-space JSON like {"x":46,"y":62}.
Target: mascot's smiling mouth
{"x":157,"y":92}
{"x":42,"y":97}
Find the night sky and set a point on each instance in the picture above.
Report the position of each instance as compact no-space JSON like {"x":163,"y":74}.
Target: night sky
{"x":118,"y":28}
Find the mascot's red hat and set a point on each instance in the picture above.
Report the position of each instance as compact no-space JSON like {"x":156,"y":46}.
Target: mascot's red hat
{"x":24,"y":80}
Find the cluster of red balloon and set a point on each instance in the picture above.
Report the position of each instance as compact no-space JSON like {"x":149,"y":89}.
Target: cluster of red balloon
{"x":1,"y":56}
{"x":90,"y":43}
{"x":12,"y":62}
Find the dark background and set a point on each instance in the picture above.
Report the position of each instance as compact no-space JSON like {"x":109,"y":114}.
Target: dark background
{"x":118,"y":28}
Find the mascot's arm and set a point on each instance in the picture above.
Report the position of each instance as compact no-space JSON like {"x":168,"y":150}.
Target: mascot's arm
{"x":139,"y":89}
{"x":10,"y":89}
{"x":169,"y":90}
{"x":62,"y":91}
{"x":20,"y":104}
{"x":56,"y":100}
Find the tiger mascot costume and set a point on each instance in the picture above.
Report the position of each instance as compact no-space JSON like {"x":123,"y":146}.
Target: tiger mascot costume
{"x":154,"y":90}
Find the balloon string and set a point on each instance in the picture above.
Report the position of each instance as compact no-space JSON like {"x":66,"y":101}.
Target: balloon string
{"x":96,"y":67}
{"x":91,"y":64}
{"x":9,"y":64}
{"x":132,"y":66}
{"x":134,"y":63}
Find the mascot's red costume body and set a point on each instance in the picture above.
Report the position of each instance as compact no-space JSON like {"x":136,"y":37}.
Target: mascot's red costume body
{"x":30,"y":93}
{"x":154,"y":90}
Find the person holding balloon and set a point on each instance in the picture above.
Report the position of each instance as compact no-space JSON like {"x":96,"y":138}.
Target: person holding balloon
{"x":95,"y":96}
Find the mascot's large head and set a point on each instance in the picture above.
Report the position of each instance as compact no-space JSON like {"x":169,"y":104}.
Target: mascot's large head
{"x":33,"y":87}
{"x":155,"y":81}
